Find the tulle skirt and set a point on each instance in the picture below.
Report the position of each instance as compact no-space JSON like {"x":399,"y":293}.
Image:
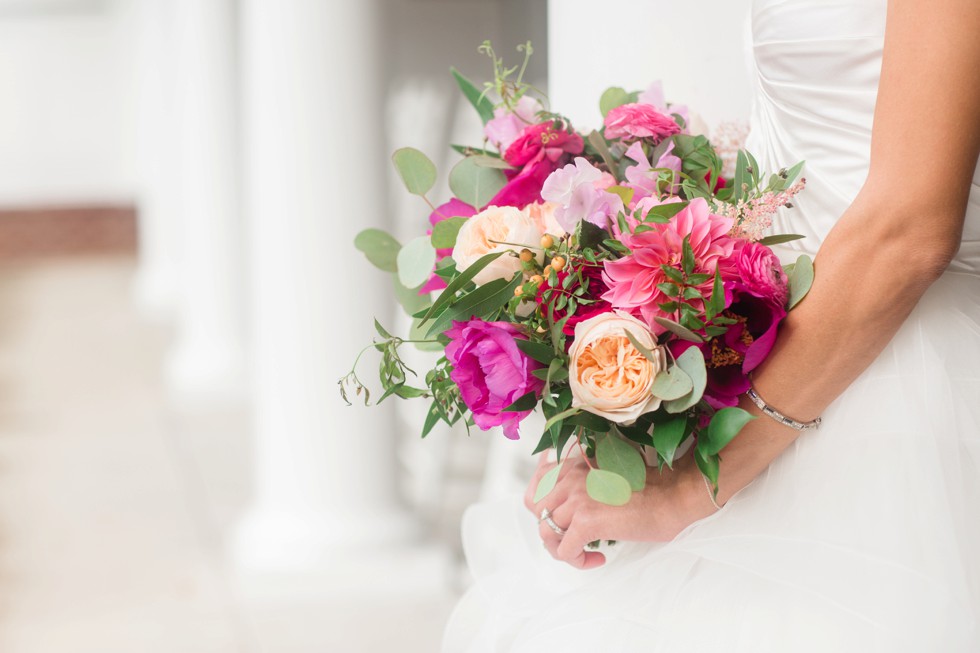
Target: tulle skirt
{"x":863,"y":536}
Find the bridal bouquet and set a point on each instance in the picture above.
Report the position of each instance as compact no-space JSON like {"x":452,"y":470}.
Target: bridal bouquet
{"x":617,"y":280}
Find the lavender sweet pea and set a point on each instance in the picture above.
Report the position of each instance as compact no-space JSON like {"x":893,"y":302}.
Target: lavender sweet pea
{"x":491,"y":372}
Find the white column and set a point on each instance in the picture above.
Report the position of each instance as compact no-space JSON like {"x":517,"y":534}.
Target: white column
{"x":158,"y":209}
{"x":207,"y":359}
{"x":315,"y":176}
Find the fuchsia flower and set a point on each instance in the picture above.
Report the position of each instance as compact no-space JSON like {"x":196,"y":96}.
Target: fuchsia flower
{"x":632,"y":121}
{"x":454,"y":208}
{"x":760,"y":273}
{"x":633,"y":279}
{"x":491,"y":372}
{"x":542,"y":141}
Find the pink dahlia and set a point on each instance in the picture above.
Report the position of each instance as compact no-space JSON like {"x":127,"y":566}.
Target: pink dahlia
{"x":633,"y":279}
{"x":632,"y":121}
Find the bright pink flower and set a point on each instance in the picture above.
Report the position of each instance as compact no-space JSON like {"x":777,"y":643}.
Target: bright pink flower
{"x":543,"y":141}
{"x":491,"y":372}
{"x":633,"y":279}
{"x":505,"y":126}
{"x":595,"y":288}
{"x":454,"y":208}
{"x":642,"y":178}
{"x":760,"y":273}
{"x":632,"y":121}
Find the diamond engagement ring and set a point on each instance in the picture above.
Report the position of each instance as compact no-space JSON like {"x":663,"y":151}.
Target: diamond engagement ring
{"x":546,"y":518}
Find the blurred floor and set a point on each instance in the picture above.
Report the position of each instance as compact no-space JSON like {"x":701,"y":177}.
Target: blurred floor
{"x":114,"y":509}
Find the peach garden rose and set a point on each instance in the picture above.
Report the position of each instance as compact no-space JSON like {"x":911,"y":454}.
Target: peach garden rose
{"x":610,"y":377}
{"x":485,"y":232}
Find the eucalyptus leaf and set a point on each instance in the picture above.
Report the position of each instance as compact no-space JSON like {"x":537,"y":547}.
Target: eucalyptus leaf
{"x":589,"y":421}
{"x":474,"y":184}
{"x":681,"y":332}
{"x":486,"y":161}
{"x":647,"y":353}
{"x":608,"y":487}
{"x":800,"y":280}
{"x":614,"y":454}
{"x":409,"y":298}
{"x":692,"y":362}
{"x":444,"y":232}
{"x":416,"y":170}
{"x":417,"y":332}
{"x":547,"y":483}
{"x":415,"y":262}
{"x":611,"y":98}
{"x":672,"y":383}
{"x":477,"y":98}
{"x":380,"y":247}
{"x":724,"y":426}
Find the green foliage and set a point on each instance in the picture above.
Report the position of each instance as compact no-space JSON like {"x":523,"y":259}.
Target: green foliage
{"x":409,"y":298}
{"x":415,"y":262}
{"x":611,"y":98}
{"x":692,"y":363}
{"x":475,"y":184}
{"x":460,"y":282}
{"x":416,"y":170}
{"x":380,"y":248}
{"x":524,"y":402}
{"x":479,"y":100}
{"x":668,"y":435}
{"x":681,"y":332}
{"x":547,"y":483}
{"x":482,"y":303}
{"x":539,"y":351}
{"x":672,"y":383}
{"x":724,"y":426}
{"x":615,"y":455}
{"x":608,"y":487}
{"x":596,"y":141}
{"x":769,"y":241}
{"x":444,"y":232}
{"x":800,"y":280}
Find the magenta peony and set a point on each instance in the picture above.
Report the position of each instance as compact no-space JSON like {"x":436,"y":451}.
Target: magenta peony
{"x":542,"y":141}
{"x":633,"y":279}
{"x":632,"y":121}
{"x":491,"y":372}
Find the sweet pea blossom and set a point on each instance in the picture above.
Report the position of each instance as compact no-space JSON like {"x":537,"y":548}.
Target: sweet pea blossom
{"x":643,"y":179}
{"x":491,"y":372}
{"x":506,"y":125}
{"x":574,"y":189}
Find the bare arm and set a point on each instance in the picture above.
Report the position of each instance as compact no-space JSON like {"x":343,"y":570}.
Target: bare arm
{"x":896,"y":238}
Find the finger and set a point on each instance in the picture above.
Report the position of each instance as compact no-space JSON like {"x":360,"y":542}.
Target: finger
{"x":571,"y":549}
{"x":550,"y":539}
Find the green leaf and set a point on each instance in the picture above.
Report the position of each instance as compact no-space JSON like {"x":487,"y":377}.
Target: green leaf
{"x":608,"y":487}
{"x":741,"y":176}
{"x":687,"y":258}
{"x":647,"y":353}
{"x":672,"y":383}
{"x":800,"y":280}
{"x":482,"y":302}
{"x":487,"y":161}
{"x":524,"y":402}
{"x":611,"y":98}
{"x":431,"y":418}
{"x":409,"y":298}
{"x":460,"y":282}
{"x":793,"y":173}
{"x":560,"y":417}
{"x":625,"y":193}
{"x":664,"y":212}
{"x":692,"y":362}
{"x":679,"y":331}
{"x":474,"y":184}
{"x":415,"y":262}
{"x":539,"y":351}
{"x":589,"y":421}
{"x":613,"y":454}
{"x":779,"y":239}
{"x":716,"y":303}
{"x":599,"y":144}
{"x":708,"y":464}
{"x":417,"y":332}
{"x":724,"y":426}
{"x":480,"y":102}
{"x":668,"y":435}
{"x":381,"y":330}
{"x":416,"y":170}
{"x":547,"y":482}
{"x":380,"y":247}
{"x":444,"y":232}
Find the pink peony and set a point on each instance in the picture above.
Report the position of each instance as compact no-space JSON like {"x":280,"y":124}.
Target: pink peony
{"x":491,"y":372}
{"x":632,"y":121}
{"x":454,"y":208}
{"x":633,"y":279}
{"x":760,"y":273}
{"x":505,"y":126}
{"x":542,"y":141}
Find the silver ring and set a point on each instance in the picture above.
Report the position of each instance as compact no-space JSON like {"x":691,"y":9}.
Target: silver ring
{"x":546,"y":518}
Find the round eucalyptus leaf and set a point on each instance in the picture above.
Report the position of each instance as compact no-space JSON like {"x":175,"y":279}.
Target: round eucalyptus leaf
{"x":416,"y":170}
{"x":415,"y":262}
{"x":692,"y":362}
{"x":474,"y":184}
{"x":614,"y":454}
{"x":608,"y":487}
{"x":547,"y":483}
{"x":800,"y":280}
{"x":380,"y":247}
{"x":672,"y":383}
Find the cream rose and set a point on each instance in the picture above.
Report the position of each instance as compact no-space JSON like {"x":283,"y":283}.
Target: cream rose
{"x":543,"y":216}
{"x":481,"y":235}
{"x":607,"y":374}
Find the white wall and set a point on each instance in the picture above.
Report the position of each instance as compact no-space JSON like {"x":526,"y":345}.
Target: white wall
{"x":66,"y":103}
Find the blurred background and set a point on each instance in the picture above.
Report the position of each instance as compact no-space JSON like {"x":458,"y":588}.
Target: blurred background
{"x":180,"y":185}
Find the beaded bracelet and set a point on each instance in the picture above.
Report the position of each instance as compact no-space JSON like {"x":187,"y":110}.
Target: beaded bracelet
{"x":778,"y":416}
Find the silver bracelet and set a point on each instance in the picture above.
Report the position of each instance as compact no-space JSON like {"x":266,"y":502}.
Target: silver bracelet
{"x":778,"y":416}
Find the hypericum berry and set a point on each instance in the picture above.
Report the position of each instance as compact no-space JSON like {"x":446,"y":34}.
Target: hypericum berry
{"x":518,"y":291}
{"x":558,"y":263}
{"x":527,"y":255}
{"x":537,"y":279}
{"x":547,"y":271}
{"x":547,"y":241}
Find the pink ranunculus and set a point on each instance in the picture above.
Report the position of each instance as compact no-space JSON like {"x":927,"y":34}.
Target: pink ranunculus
{"x":760,"y":273}
{"x":505,"y":126}
{"x":491,"y":372}
{"x":542,"y":141}
{"x":633,"y":279}
{"x":730,"y":357}
{"x":454,"y":208}
{"x":632,"y":121}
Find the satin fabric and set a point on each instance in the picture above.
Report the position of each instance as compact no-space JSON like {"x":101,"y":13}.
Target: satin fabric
{"x":863,"y":536}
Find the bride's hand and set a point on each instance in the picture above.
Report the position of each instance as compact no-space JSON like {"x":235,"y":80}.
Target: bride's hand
{"x":671,"y":501}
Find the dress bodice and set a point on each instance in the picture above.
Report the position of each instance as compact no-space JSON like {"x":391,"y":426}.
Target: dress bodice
{"x":817,"y":64}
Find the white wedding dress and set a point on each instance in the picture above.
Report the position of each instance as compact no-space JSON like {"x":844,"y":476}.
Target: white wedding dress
{"x":864,"y":536}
